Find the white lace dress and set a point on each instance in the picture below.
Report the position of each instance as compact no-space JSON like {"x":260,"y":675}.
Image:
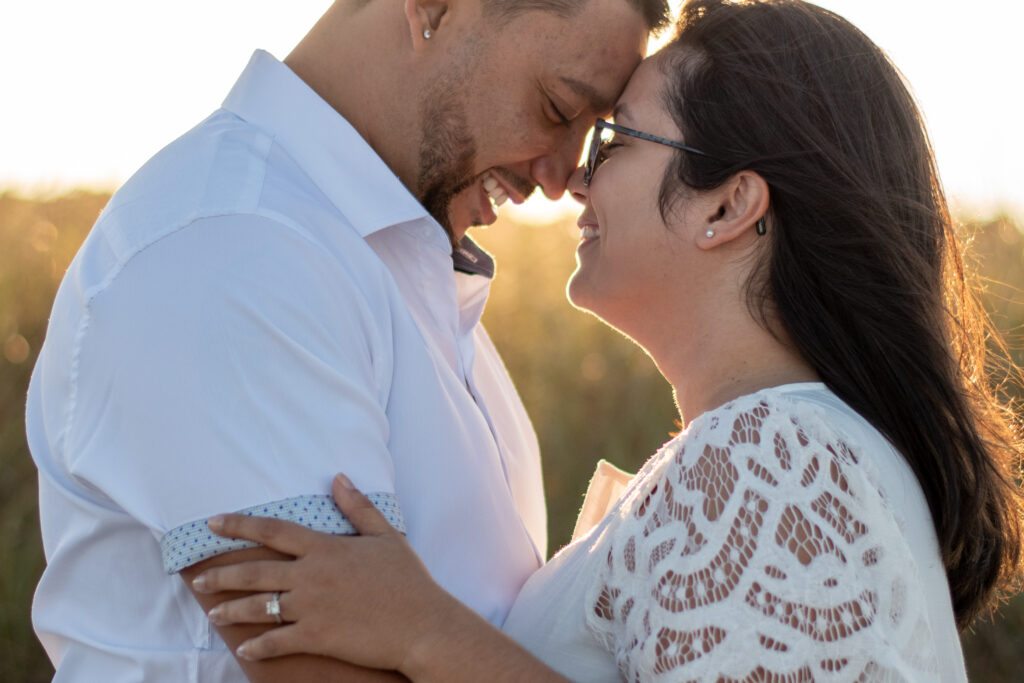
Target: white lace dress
{"x":779,"y":538}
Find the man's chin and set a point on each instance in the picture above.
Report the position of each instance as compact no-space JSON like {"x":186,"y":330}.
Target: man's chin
{"x":460,"y":222}
{"x":464,"y":212}
{"x":466,"y":207}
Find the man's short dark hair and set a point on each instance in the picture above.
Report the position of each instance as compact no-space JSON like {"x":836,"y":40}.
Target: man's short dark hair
{"x":655,"y":13}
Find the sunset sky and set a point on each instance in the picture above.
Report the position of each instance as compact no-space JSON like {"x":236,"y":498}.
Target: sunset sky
{"x":91,"y":90}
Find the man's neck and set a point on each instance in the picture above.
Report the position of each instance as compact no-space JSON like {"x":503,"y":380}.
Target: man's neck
{"x":353,"y":58}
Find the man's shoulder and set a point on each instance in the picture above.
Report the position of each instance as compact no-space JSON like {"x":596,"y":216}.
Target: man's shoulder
{"x":223,"y":182}
{"x":218,"y":168}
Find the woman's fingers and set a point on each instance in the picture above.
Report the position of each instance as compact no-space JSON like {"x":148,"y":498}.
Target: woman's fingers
{"x":252,"y":609}
{"x":252,"y":577}
{"x":363,"y":599}
{"x":286,"y":537}
{"x":358,"y":509}
{"x":276,"y":642}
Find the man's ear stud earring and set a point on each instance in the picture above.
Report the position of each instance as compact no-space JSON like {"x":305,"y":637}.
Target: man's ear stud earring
{"x":427,"y":34}
{"x":709,"y":234}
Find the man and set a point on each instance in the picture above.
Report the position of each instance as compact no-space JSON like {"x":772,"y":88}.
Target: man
{"x":271,"y":300}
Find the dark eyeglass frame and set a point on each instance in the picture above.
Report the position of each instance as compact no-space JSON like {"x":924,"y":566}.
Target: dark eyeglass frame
{"x":595,"y":145}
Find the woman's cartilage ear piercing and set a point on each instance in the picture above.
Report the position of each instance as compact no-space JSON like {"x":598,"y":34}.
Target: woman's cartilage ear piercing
{"x":761,"y":226}
{"x":709,"y":234}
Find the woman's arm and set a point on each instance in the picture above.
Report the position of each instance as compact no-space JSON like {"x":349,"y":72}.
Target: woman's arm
{"x":295,"y":668}
{"x":364,"y":599}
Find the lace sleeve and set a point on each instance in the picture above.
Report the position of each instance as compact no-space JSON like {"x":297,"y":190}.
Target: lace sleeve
{"x":761,"y":550}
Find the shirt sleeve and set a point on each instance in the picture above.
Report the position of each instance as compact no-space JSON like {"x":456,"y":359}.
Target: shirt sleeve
{"x":231,"y":365}
{"x":760,"y":549}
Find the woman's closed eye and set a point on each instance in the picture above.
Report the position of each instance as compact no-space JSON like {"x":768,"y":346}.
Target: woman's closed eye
{"x":605,"y":149}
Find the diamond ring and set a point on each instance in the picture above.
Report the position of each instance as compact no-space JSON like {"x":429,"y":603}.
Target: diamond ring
{"x":274,"y":607}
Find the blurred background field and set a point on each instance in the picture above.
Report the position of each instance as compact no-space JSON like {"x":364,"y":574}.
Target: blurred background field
{"x":591,"y":393}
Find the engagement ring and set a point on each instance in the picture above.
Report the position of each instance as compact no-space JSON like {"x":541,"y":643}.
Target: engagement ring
{"x":274,"y":607}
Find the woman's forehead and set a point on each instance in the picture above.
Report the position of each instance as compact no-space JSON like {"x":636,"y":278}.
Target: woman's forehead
{"x":641,"y":92}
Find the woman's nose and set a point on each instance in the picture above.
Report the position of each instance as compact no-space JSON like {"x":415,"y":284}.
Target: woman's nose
{"x":576,"y":186}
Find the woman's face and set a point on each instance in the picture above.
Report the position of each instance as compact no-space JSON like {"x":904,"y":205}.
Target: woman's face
{"x":629,"y":261}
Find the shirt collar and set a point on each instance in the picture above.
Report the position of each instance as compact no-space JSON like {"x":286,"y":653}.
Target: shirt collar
{"x":469,"y":258}
{"x":347,"y":170}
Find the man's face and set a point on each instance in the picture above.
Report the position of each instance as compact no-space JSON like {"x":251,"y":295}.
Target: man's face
{"x":511,"y":109}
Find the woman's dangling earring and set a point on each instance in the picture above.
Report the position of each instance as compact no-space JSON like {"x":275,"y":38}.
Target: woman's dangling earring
{"x":761,"y":227}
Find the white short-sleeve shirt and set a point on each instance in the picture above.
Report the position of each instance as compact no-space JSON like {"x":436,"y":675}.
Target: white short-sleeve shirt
{"x":261,"y":306}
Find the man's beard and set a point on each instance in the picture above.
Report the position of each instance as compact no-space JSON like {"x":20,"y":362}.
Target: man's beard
{"x":447,"y":153}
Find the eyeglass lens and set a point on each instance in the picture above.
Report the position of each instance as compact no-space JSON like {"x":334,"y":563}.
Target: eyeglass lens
{"x":598,"y":136}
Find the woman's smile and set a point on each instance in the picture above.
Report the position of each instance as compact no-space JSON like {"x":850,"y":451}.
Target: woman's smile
{"x":589,"y":232}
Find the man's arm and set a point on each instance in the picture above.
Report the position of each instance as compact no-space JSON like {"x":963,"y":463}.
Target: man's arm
{"x":225,"y":365}
{"x":291,"y":668}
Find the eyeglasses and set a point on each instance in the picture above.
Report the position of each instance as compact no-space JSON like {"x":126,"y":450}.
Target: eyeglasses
{"x":597,"y":142}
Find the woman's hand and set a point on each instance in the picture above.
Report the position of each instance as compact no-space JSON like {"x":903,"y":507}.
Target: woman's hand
{"x":365,"y":599}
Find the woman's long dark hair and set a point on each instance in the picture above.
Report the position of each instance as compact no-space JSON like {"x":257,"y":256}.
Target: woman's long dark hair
{"x":864,"y":272}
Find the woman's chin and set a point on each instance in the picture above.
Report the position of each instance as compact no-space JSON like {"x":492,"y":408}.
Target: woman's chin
{"x":576,"y":290}
{"x":585,"y":297}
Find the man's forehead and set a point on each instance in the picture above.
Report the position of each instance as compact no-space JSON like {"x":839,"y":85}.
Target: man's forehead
{"x":592,"y":55}
{"x":596,"y":100}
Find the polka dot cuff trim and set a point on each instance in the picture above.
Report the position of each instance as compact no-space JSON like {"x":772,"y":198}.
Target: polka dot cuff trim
{"x":193,"y":542}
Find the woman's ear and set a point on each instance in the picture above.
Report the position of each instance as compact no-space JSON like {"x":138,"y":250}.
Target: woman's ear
{"x":741,"y":202}
{"x":424,"y":17}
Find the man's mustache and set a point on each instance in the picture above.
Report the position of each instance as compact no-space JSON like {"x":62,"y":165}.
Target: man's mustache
{"x":518,"y":183}
{"x":521,"y":185}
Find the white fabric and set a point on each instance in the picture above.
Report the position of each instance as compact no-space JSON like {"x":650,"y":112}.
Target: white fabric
{"x":780,"y":535}
{"x":193,"y":542}
{"x":261,"y":306}
{"x":606,"y":487}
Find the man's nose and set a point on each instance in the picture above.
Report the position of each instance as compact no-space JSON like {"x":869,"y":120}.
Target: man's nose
{"x":552,"y":170}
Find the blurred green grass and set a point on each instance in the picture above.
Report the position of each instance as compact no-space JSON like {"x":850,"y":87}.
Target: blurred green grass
{"x":591,"y":393}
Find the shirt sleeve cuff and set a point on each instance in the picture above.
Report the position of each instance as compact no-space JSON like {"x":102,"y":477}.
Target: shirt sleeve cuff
{"x":193,"y":542}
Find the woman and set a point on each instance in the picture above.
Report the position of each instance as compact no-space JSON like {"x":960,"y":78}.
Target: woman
{"x":768,"y":223}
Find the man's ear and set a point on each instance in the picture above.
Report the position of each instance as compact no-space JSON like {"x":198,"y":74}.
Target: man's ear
{"x":423,"y":16}
{"x":741,"y":202}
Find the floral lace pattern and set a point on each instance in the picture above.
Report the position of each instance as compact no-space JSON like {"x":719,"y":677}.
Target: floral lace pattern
{"x":757,"y":546}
